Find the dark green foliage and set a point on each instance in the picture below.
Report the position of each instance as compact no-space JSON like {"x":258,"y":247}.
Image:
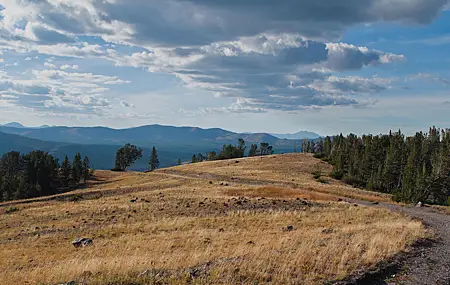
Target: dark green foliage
{"x":253,"y":150}
{"x":77,"y":169}
{"x":33,"y":175}
{"x":413,"y":169}
{"x":10,"y":210}
{"x":316,"y":174}
{"x":154,"y":161}
{"x":127,"y":156}
{"x":230,"y":151}
{"x":65,"y":171}
{"x":86,"y":171}
{"x":336,"y":175}
{"x":179,"y":162}
{"x":194,"y":159}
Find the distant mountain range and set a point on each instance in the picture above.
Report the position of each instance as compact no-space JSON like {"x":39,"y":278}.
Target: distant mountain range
{"x":298,"y":136}
{"x":101,"y":143}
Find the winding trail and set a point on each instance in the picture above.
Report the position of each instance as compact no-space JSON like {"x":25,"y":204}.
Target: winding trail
{"x":427,"y":264}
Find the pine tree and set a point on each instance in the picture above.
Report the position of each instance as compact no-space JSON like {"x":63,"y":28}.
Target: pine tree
{"x":154,"y":161}
{"x":77,"y":169}
{"x":179,"y":162}
{"x":194,"y":159}
{"x":66,"y":170}
{"x":86,"y":169}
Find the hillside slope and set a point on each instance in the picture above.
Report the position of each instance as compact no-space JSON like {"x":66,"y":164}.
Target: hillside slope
{"x":246,"y":221}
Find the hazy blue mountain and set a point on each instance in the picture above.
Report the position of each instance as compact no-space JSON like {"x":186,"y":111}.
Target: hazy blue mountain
{"x":101,"y":156}
{"x":14,"y":125}
{"x":298,"y":136}
{"x":101,"y":144}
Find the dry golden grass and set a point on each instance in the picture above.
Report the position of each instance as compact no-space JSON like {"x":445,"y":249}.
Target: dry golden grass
{"x":195,"y":222}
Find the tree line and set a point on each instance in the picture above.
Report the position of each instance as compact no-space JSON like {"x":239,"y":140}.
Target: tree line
{"x":412,"y":168}
{"x":39,"y":174}
{"x":230,"y":151}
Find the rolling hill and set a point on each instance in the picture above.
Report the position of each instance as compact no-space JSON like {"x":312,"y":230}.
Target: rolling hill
{"x":101,"y":156}
{"x":101,"y":143}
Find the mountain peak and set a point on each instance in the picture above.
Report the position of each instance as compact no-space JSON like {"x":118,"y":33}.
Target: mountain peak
{"x":14,"y":125}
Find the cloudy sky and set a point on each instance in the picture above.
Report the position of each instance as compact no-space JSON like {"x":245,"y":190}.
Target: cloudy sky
{"x":244,"y":65}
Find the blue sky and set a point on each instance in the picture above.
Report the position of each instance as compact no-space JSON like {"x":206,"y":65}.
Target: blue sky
{"x":249,"y":66}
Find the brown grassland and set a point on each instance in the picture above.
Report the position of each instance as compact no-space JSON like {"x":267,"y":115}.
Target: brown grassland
{"x":208,"y":223}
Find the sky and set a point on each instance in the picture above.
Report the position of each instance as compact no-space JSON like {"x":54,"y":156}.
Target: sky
{"x":361,"y":66}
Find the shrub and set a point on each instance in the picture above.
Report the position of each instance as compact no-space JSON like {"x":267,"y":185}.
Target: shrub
{"x":316,"y":174}
{"x":336,"y":175}
{"x":319,"y":155}
{"x":321,"y":180}
{"x":11,"y":210}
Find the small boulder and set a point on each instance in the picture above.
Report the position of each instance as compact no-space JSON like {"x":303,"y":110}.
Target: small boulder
{"x":375,"y":203}
{"x":288,"y":228}
{"x":328,"y":231}
{"x":419,"y":205}
{"x":82,"y":242}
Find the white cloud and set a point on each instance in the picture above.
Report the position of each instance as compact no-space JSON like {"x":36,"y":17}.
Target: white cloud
{"x":49,"y":65}
{"x":66,"y":66}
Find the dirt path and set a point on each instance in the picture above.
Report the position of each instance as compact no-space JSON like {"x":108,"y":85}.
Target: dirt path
{"x":427,"y":264}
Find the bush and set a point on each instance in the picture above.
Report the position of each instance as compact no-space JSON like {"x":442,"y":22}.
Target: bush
{"x":337,"y":174}
{"x":396,"y":195}
{"x":316,"y":174}
{"x":117,"y":170}
{"x":319,"y":155}
{"x":11,"y":210}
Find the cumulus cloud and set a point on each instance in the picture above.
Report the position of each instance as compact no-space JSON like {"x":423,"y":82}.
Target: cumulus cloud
{"x":58,"y":90}
{"x":265,"y":54}
{"x":66,"y":66}
{"x":49,"y":65}
{"x":267,"y":71}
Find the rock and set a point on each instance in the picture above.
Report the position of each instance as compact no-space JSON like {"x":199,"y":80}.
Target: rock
{"x":328,"y":231}
{"x":221,"y":230}
{"x":340,"y":200}
{"x":82,"y":242}
{"x":375,"y":203}
{"x":133,"y":200}
{"x":288,"y":228}
{"x":419,"y":205}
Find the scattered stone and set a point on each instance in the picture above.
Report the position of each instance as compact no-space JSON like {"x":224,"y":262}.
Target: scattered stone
{"x":250,"y":242}
{"x":375,"y":203}
{"x":328,"y":231}
{"x":82,"y":242}
{"x":221,"y":230}
{"x":356,"y":205}
{"x":340,"y":200}
{"x":133,"y":200}
{"x":288,"y":229}
{"x":237,"y":161}
{"x":210,"y":182}
{"x":419,"y":205}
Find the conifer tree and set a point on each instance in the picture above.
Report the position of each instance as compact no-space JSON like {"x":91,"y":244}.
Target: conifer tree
{"x":77,"y":169}
{"x":66,"y":171}
{"x":154,"y":161}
